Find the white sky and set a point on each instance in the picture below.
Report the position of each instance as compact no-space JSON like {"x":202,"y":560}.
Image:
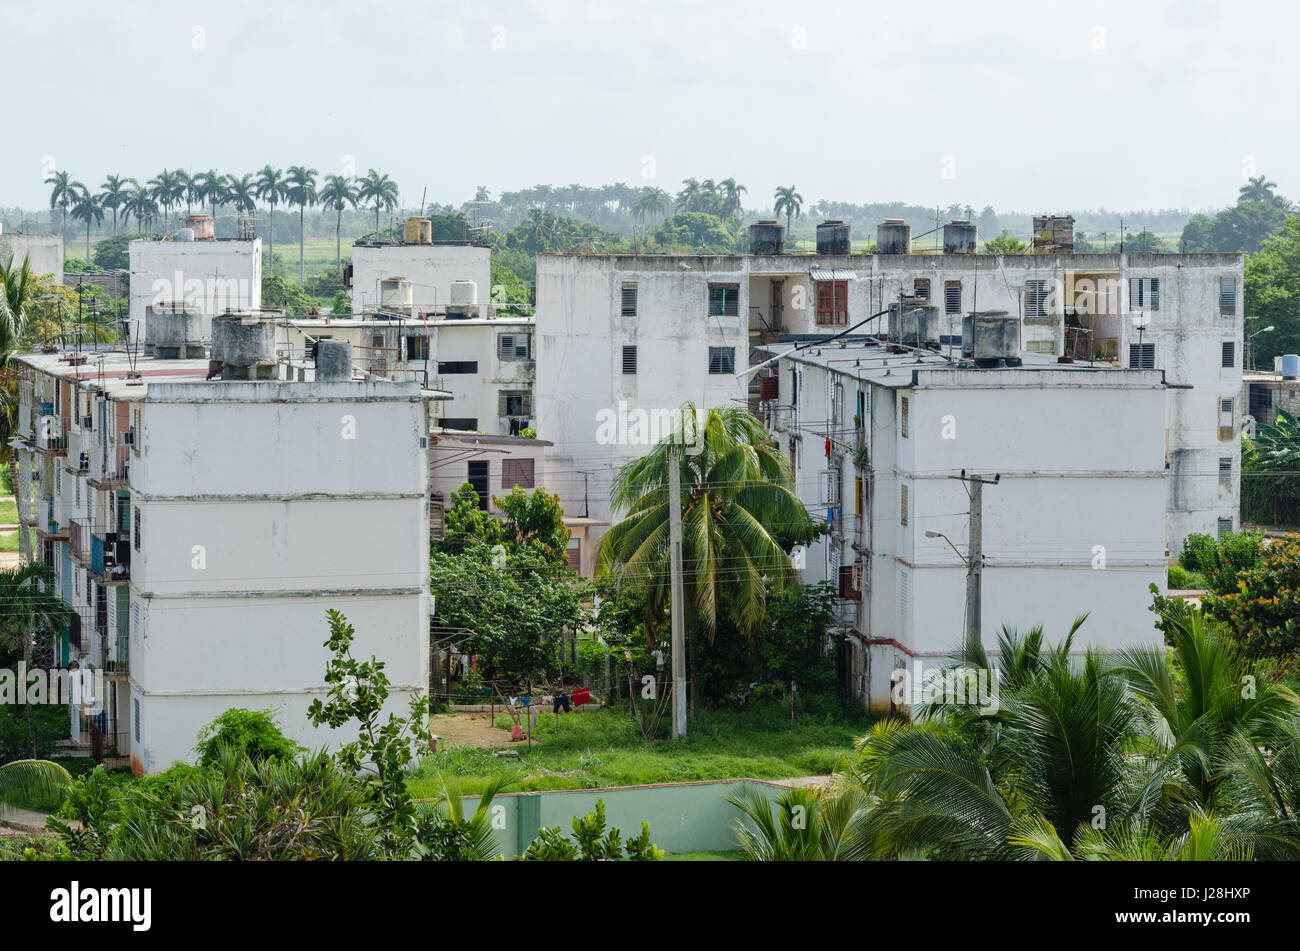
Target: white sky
{"x":1040,"y":105}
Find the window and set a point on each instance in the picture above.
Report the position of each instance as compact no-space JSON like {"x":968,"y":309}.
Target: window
{"x":478,"y":478}
{"x":952,"y":297}
{"x":135,"y":717}
{"x":1144,"y":292}
{"x":517,"y":472}
{"x":1225,"y":470}
{"x":1040,"y":346}
{"x":512,"y":346}
{"x":904,"y":407}
{"x":724,"y":300}
{"x":466,"y":423}
{"x":921,"y":287}
{"x":417,"y":348}
{"x":722,"y":359}
{"x":1035,"y":298}
{"x":136,"y":533}
{"x":629,"y":359}
{"x":1225,"y":412}
{"x":1229,"y":354}
{"x":629,"y":299}
{"x":77,"y":483}
{"x":904,"y":590}
{"x":1142,"y":356}
{"x":1228,"y":294}
{"x":902,"y":504}
{"x":1225,"y":526}
{"x":574,"y":552}
{"x":832,"y":302}
{"x":514,"y":403}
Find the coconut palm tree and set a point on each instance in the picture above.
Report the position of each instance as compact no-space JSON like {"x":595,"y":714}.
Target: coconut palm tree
{"x":141,"y":204}
{"x":271,"y":189}
{"x":17,"y":289}
{"x":789,"y":203}
{"x":1257,"y":188}
{"x":378,"y":188}
{"x":63,"y":191}
{"x":29,"y":607}
{"x":114,"y":193}
{"x":85,"y":207}
{"x":25,"y":780}
{"x":337,"y":193}
{"x":210,"y":186}
{"x":740,"y":518}
{"x":651,"y":202}
{"x":689,"y":196}
{"x":731,"y":193}
{"x":809,"y":825}
{"x":241,"y":192}
{"x":167,"y":189}
{"x":301,"y":191}
{"x":188,"y":189}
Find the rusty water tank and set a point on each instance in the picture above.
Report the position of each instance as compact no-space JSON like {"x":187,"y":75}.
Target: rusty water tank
{"x":202,"y":226}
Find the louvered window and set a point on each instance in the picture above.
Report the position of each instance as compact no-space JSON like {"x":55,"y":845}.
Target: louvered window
{"x":724,"y":300}
{"x":512,"y":346}
{"x":921,"y":287}
{"x":629,"y":299}
{"x":722,"y":359}
{"x":1035,"y":298}
{"x":517,"y":472}
{"x":1225,"y":470}
{"x":1229,"y":353}
{"x":902,"y":502}
{"x":1144,"y":292}
{"x":629,"y":359}
{"x":1142,"y":356}
{"x":1228,"y":294}
{"x":952,"y":297}
{"x":903,"y":412}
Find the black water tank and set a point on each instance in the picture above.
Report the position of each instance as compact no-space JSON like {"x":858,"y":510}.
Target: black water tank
{"x":766,"y":237}
{"x":833,"y":238}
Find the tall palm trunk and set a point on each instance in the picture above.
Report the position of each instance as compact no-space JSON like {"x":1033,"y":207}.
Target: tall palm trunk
{"x":338,"y":241}
{"x":271,"y":239}
{"x":87,"y":239}
{"x":302,"y":240}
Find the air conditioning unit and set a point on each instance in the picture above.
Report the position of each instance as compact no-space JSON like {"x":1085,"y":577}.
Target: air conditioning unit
{"x":83,"y":462}
{"x":128,"y":437}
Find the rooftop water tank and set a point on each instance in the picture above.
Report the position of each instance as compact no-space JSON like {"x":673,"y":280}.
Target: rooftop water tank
{"x":914,"y":324}
{"x":176,"y":331}
{"x":184,"y":234}
{"x":766,"y":237}
{"x":464,"y":294}
{"x":959,"y":237}
{"x":396,"y":295}
{"x":418,"y":231}
{"x":243,"y":346}
{"x":995,"y":337}
{"x":333,"y":360}
{"x":833,"y":238}
{"x":1290,"y":367}
{"x":202,"y":226}
{"x":893,"y":236}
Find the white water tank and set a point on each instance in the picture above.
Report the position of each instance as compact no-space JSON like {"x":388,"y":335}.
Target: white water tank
{"x":464,"y":294}
{"x":396,"y":294}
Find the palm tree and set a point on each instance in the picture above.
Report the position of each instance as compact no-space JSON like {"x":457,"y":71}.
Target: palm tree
{"x":1257,"y":188}
{"x":731,"y":193}
{"x":271,"y":188}
{"x":809,"y":825}
{"x":651,"y":202}
{"x":86,"y":208}
{"x":210,"y":186}
{"x":689,"y":196}
{"x":378,"y":188}
{"x":142,"y":205}
{"x":25,"y":780}
{"x":241,"y":192}
{"x":63,"y":192}
{"x":301,"y":191}
{"x":189,"y":189}
{"x":167,"y":188}
{"x":29,"y":606}
{"x":788,"y":202}
{"x":337,"y":193}
{"x":737,"y":490}
{"x":114,"y":194}
{"x":17,"y":290}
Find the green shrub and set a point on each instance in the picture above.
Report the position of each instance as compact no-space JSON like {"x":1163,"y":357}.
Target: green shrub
{"x":1221,"y":560}
{"x":251,"y":732}
{"x":1193,"y":546}
{"x":1178,"y":578}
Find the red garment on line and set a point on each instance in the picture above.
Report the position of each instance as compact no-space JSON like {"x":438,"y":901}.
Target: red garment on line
{"x":579,"y":697}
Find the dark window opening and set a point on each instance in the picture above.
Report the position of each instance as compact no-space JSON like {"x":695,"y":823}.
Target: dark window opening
{"x":478,"y":478}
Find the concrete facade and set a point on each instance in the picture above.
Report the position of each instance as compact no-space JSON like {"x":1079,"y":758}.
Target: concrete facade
{"x":1180,"y":313}
{"x":211,"y":276}
{"x":431,"y":269}
{"x":202,"y":529}
{"x":44,"y":251}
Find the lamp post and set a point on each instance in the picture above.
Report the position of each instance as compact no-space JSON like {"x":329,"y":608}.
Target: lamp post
{"x":1250,"y":344}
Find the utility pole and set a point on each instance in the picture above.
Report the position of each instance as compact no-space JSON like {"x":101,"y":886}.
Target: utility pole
{"x":975,"y":564}
{"x":675,"y":575}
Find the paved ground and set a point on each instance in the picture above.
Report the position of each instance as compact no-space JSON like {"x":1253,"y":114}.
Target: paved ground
{"x":14,"y":821}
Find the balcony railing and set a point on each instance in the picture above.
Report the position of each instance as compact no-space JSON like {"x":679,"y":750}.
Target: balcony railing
{"x":115,"y":473}
{"x":50,"y":435}
{"x":79,"y":539}
{"x":110,"y":556}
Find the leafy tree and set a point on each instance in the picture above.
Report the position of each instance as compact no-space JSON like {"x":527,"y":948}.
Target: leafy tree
{"x":1263,"y":612}
{"x":29,"y":609}
{"x":1257,"y":189}
{"x":250,"y":733}
{"x":341,"y":305}
{"x":279,"y":294}
{"x":1004,"y":243}
{"x":1272,"y":291}
{"x":695,"y":231}
{"x":114,"y":254}
{"x":534,"y":518}
{"x":1222,"y":560}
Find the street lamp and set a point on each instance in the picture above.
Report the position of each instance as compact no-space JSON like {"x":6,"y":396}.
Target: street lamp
{"x":933,"y":534}
{"x":1250,"y":343}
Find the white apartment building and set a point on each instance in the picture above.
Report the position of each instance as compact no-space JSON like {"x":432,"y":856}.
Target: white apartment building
{"x":429,"y":269}
{"x":202,"y":527}
{"x":618,"y":333}
{"x":43,"y":251}
{"x":487,"y":365}
{"x":1074,"y":524}
{"x":207,"y":276}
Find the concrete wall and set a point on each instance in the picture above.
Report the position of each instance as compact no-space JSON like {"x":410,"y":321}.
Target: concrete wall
{"x":683,"y":817}
{"x":450,"y":455}
{"x":477,"y":395}
{"x":214,"y":275}
{"x":44,"y":251}
{"x":431,"y":269}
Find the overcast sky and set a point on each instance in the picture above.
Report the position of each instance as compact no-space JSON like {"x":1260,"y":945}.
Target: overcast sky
{"x":1022,"y":105}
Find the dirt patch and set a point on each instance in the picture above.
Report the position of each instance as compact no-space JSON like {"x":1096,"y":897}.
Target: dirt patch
{"x":472,"y":729}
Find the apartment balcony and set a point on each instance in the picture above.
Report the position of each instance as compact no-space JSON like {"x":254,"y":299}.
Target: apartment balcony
{"x":110,"y":557}
{"x":79,"y":541}
{"x":115,"y":474}
{"x":51,"y":436}
{"x":46,"y":527}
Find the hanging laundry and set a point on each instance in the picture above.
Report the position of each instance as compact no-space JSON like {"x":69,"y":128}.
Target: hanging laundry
{"x":561,"y":700}
{"x":579,"y":697}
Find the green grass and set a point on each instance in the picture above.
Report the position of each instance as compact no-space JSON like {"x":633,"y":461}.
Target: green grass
{"x":715,"y":856}
{"x":8,"y":541}
{"x":605,"y":748}
{"x":8,"y":512}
